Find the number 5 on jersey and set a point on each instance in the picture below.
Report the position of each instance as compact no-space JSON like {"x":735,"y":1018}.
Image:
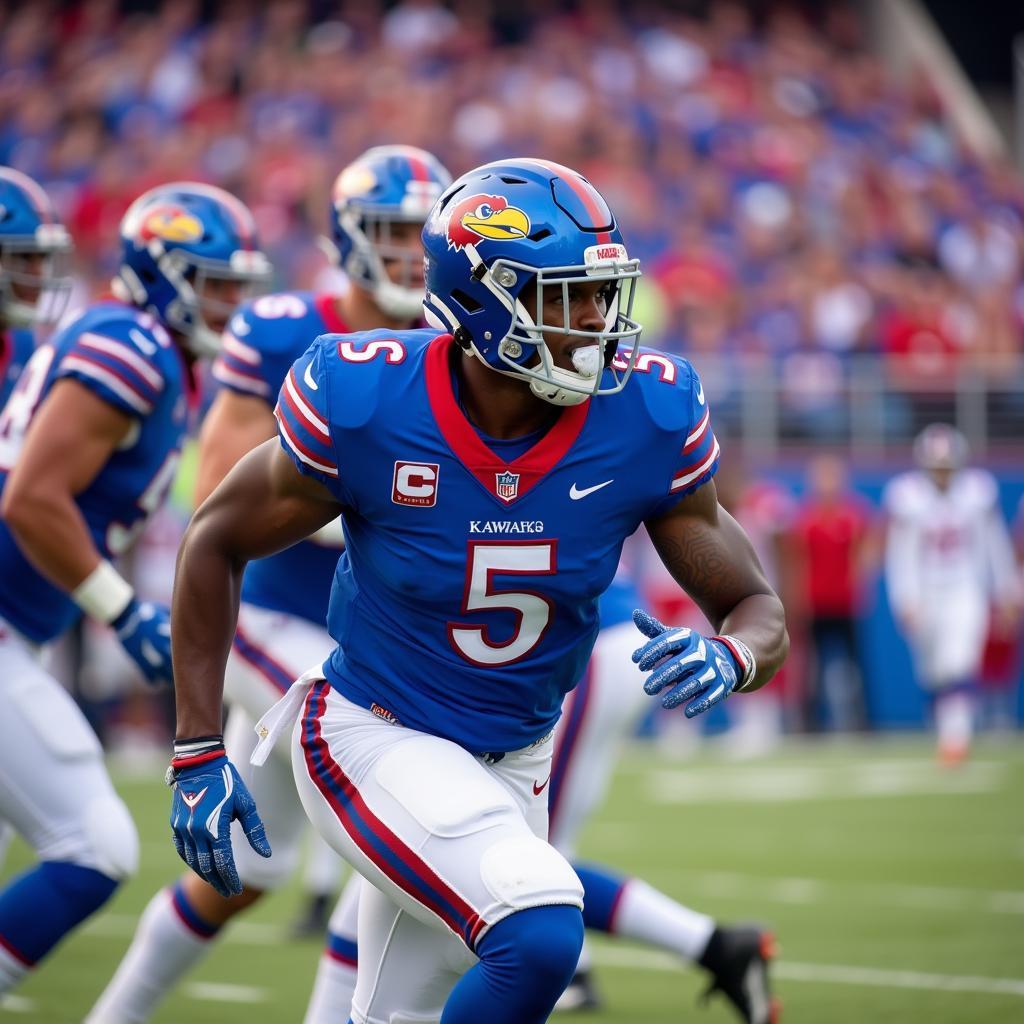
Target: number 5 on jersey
{"x":533,"y":612}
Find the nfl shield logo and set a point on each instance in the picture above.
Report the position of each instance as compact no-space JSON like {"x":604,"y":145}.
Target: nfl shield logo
{"x":506,"y":485}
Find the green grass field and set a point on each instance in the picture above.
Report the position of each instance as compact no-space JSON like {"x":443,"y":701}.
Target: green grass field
{"x":896,"y":890}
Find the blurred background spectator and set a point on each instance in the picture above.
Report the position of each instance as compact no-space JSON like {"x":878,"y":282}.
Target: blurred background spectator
{"x":837,"y":554}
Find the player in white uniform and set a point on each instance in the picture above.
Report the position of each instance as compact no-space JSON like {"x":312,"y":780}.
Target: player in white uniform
{"x":948,"y":561}
{"x":89,"y":441}
{"x":379,"y":204}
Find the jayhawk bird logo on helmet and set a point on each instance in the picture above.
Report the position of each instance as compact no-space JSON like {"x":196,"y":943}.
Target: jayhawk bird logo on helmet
{"x":484,"y":216}
{"x":172,"y":224}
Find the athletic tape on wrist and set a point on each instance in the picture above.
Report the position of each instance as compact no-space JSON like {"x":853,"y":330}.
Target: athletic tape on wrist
{"x":744,"y":658}
{"x":197,"y":745}
{"x":103,"y":594}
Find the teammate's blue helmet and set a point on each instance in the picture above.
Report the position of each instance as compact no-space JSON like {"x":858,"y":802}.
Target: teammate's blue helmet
{"x":515,"y":224}
{"x":384,"y":186}
{"x":34,"y":247}
{"x":175,"y":238}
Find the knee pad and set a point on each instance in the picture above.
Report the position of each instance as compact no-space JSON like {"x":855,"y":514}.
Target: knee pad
{"x":112,"y":844}
{"x":525,"y":872}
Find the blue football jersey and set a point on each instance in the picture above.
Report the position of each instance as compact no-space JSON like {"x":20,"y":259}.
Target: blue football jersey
{"x":129,"y":360}
{"x":16,"y":347}
{"x":263,"y":339}
{"x":466,"y":602}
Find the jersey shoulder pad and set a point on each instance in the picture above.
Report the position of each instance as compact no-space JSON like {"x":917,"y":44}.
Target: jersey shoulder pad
{"x":272,"y":323}
{"x":262,"y":339}
{"x":368,"y":366}
{"x":667,"y":384}
{"x":677,"y":417}
{"x":123,"y":354}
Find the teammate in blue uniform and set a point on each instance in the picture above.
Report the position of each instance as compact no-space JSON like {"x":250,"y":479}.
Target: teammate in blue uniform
{"x":34,"y":286}
{"x":88,"y":444}
{"x":488,"y":471}
{"x":378,"y":207}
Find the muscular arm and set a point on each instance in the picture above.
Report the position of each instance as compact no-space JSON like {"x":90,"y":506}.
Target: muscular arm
{"x":234,"y":425}
{"x":69,"y":441}
{"x":262,"y":506}
{"x":710,"y":557}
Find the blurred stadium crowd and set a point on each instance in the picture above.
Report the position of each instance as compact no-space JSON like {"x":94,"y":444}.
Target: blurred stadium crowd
{"x":786,"y":197}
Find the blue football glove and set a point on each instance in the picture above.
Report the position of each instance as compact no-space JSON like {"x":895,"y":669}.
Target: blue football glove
{"x":144,"y":629}
{"x":207,"y":798}
{"x":699,"y":669}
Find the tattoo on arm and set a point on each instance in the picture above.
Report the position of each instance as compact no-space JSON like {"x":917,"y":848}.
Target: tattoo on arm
{"x":700,"y":564}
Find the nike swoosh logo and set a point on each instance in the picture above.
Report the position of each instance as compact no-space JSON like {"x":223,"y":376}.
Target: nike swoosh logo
{"x":307,"y":377}
{"x":576,"y":493}
{"x":537,"y":790}
{"x":700,"y":393}
{"x":191,"y":799}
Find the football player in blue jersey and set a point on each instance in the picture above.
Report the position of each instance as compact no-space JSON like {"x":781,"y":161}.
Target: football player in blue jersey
{"x":379,"y":204}
{"x":34,"y":284}
{"x":88,"y":444}
{"x":488,"y":470}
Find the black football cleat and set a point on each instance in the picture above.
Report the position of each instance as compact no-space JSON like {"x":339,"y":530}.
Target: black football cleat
{"x":580,"y":995}
{"x":738,"y":959}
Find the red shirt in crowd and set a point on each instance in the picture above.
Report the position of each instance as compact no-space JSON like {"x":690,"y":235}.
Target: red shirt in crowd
{"x":831,"y":535}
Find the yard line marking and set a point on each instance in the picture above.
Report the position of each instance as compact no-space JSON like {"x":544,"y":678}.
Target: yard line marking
{"x":879,"y":977}
{"x":786,"y":783}
{"x":217,"y":992}
{"x":16,"y":1004}
{"x":813,"y":890}
{"x":837,"y":974}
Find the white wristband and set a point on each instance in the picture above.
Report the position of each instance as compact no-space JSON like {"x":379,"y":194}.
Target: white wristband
{"x":103,"y":594}
{"x":744,"y":656}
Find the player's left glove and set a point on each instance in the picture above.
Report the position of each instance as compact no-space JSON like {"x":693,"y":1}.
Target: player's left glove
{"x":144,"y":629}
{"x":208,"y":795}
{"x":701,"y":670}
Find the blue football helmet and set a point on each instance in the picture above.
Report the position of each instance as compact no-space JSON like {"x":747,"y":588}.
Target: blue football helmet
{"x":34,"y":251}
{"x":384,"y":186}
{"x":174,"y":240}
{"x":516,"y":224}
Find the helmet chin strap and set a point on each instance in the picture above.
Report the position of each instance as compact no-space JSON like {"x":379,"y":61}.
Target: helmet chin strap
{"x":202,"y":341}
{"x":556,"y":395}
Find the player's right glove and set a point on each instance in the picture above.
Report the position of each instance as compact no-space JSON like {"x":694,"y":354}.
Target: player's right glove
{"x":208,"y":795}
{"x":144,"y":629}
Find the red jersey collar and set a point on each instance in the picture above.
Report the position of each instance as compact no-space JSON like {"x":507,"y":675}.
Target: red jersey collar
{"x":506,"y":482}
{"x":327,"y":306}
